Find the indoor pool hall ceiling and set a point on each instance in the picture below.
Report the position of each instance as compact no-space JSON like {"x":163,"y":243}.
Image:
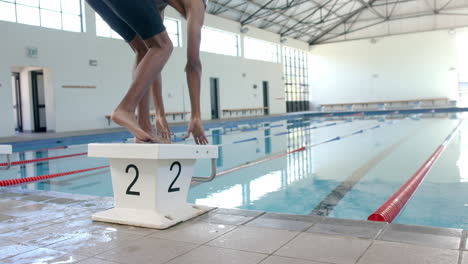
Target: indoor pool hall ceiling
{"x":320,"y":21}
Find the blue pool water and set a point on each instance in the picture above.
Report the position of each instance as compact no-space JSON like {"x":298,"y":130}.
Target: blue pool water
{"x":349,"y":168}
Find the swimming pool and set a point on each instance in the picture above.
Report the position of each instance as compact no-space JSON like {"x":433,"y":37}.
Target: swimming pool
{"x":348,"y":168}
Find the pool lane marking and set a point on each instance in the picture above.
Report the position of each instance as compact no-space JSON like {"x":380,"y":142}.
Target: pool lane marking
{"x":279,"y":134}
{"x":44,"y":149}
{"x":389,"y":210}
{"x":22,"y":162}
{"x":336,"y":195}
{"x":250,"y":164}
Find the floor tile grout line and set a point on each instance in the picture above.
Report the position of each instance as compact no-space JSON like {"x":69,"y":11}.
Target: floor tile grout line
{"x":204,"y":244}
{"x":149,"y":236}
{"x":298,"y":234}
{"x":364,"y":252}
{"x":463,"y":239}
{"x":81,"y":261}
{"x":20,"y":253}
{"x":129,"y":240}
{"x":236,"y":227}
{"x":253,"y":218}
{"x":287,"y":242}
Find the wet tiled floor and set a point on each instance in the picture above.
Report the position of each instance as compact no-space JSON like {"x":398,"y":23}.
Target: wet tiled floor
{"x":48,"y":227}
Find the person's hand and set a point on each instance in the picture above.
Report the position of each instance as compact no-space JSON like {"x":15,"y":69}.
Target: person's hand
{"x":195,"y":127}
{"x":162,"y":129}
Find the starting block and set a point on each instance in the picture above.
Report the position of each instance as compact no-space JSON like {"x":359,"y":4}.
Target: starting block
{"x":151,"y":182}
{"x":6,"y":150}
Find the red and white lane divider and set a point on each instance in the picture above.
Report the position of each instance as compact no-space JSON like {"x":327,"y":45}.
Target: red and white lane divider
{"x":49,"y":176}
{"x":46,"y":177}
{"x":389,"y":210}
{"x":22,"y":162}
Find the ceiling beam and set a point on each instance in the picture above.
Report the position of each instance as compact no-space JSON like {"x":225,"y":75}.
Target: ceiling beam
{"x":341,"y":22}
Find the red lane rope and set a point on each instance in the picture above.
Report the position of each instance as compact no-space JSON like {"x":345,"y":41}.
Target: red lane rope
{"x":21,"y":162}
{"x":49,"y":176}
{"x":392,"y":207}
{"x":45,"y":177}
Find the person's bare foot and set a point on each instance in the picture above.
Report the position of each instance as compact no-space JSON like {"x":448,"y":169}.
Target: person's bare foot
{"x":127,"y":120}
{"x":148,"y":128}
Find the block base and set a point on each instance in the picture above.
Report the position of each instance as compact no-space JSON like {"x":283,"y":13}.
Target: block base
{"x":149,"y":218}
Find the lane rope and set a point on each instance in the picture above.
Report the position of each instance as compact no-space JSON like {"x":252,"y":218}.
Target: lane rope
{"x":250,"y":164}
{"x":46,"y":177}
{"x":22,"y":162}
{"x":390,"y":209}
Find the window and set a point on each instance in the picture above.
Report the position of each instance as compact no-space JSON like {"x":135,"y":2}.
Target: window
{"x":58,"y":14}
{"x":103,"y":30}
{"x":261,"y":50}
{"x":296,"y":75}
{"x":220,"y":42}
{"x":174,"y":31}
{"x":172,"y":28}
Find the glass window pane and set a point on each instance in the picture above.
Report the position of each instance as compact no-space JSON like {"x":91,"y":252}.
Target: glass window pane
{"x":71,"y":22}
{"x":174,"y":39}
{"x":261,"y":50}
{"x":51,"y":19}
{"x":28,"y":15}
{"x":46,"y":13}
{"x":34,"y":3}
{"x":7,"y":12}
{"x":71,"y":6}
{"x":220,"y":42}
{"x":115,"y":34}
{"x":51,"y":4}
{"x":171,"y":26}
{"x":102,"y":29}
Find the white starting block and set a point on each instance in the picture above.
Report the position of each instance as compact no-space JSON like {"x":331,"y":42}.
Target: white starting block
{"x":6,"y":150}
{"x":151,"y":182}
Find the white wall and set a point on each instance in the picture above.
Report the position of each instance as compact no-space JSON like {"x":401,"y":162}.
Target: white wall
{"x":65,"y":58}
{"x":7,"y":125}
{"x":413,"y":66}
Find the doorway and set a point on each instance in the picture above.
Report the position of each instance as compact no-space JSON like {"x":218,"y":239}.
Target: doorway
{"x":38,"y":100}
{"x":214,"y":87}
{"x":266,"y":110}
{"x":16,"y":92}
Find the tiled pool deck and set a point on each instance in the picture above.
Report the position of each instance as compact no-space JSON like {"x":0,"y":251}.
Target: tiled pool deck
{"x":47,"y":227}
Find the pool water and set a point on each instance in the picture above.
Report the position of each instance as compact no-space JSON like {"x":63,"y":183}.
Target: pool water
{"x":349,"y":167}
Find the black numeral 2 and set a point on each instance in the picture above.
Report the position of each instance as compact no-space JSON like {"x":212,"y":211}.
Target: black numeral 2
{"x":171,"y":188}
{"x":129,"y":191}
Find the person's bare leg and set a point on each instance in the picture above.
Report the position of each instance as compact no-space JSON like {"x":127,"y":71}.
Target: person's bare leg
{"x":143,"y":109}
{"x":162,"y":127}
{"x":159,"y":50}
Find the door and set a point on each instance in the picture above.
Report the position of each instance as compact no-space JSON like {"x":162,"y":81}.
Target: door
{"x":16,"y":87}
{"x":38,"y":94}
{"x":266,"y":106}
{"x":214,"y":87}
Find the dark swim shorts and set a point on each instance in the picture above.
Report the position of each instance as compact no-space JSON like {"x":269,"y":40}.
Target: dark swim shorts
{"x":130,"y":17}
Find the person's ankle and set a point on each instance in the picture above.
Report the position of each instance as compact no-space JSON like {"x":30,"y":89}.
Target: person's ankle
{"x":146,"y":126}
